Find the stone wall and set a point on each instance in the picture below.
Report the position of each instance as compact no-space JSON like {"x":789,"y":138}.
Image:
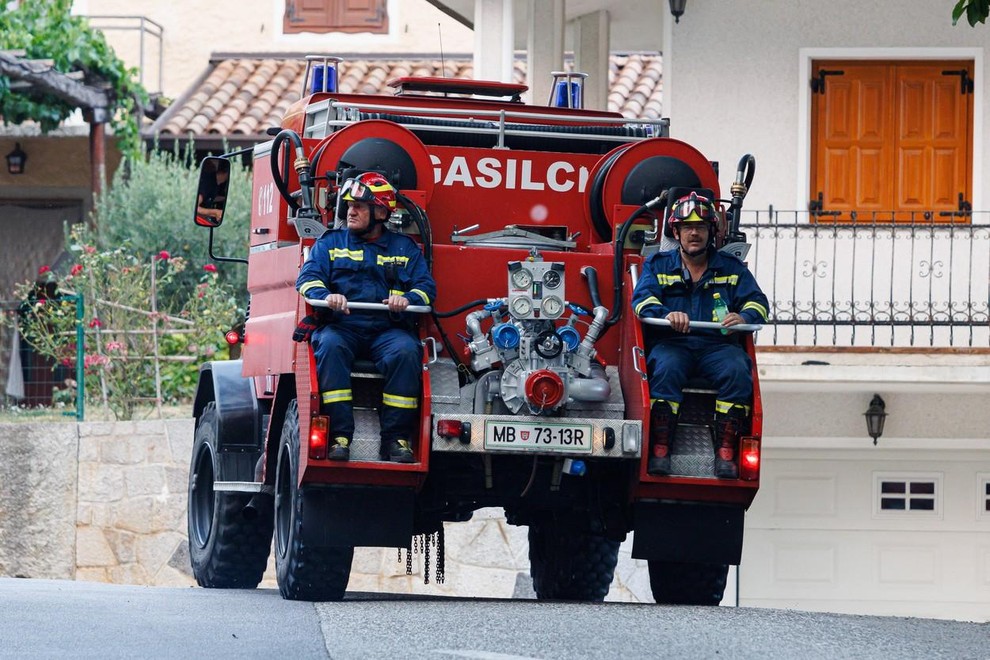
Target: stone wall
{"x":106,"y":502}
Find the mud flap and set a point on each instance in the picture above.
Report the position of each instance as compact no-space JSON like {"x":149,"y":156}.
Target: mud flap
{"x":688,"y":532}
{"x":374,"y":516}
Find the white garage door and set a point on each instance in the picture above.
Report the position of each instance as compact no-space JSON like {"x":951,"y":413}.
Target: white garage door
{"x":871,"y":530}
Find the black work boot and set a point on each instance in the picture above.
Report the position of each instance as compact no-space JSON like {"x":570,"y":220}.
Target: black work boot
{"x":400,"y":451}
{"x":340,"y":449}
{"x":728,"y":426}
{"x":663,"y":423}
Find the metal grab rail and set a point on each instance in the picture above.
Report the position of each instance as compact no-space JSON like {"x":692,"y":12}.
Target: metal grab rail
{"x":375,"y":307}
{"x":741,"y":327}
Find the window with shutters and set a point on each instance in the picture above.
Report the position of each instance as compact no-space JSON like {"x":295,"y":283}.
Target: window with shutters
{"x":891,"y":141}
{"x":335,"y":16}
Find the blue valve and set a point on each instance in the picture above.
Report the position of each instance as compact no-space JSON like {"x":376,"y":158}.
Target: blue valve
{"x":575,"y":467}
{"x":505,"y":335}
{"x":494,"y":306}
{"x":570,"y":336}
{"x":577,"y":309}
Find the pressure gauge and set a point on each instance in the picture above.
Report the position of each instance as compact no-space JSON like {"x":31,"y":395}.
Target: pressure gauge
{"x":552,"y":306}
{"x":521,"y":307}
{"x":522,"y":278}
{"x":551,"y":279}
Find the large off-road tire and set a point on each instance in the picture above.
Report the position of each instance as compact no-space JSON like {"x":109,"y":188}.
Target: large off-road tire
{"x":227,"y":550}
{"x":683,"y":583}
{"x":304,"y":571}
{"x":569,"y":565}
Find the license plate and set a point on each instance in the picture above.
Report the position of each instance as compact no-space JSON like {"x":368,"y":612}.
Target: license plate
{"x":538,"y":436}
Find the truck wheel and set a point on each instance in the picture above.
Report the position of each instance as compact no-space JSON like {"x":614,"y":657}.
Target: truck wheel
{"x":227,"y":550}
{"x":305,"y":570}
{"x":568,"y":565}
{"x":685,"y":583}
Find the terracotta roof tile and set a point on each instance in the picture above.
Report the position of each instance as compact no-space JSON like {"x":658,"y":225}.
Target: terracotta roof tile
{"x":245,"y":95}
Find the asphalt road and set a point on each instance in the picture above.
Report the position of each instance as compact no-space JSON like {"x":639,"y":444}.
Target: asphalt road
{"x":54,"y":619}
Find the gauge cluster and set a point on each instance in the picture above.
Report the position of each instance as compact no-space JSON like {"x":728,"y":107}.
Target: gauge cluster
{"x":536,"y":290}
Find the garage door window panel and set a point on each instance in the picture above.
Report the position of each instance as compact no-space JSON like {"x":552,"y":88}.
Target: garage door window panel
{"x":907,"y":495}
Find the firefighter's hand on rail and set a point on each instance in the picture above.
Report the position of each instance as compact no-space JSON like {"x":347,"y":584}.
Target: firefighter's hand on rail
{"x":679,"y":321}
{"x":396,"y":303}
{"x":732,"y":319}
{"x":337,"y":303}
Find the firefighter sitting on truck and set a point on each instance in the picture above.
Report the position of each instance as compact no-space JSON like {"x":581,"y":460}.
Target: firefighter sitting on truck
{"x":680,"y":285}
{"x":366,"y":263}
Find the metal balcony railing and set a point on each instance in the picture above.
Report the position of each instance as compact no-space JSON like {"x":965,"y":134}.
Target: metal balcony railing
{"x":923,"y":282}
{"x":132,"y":38}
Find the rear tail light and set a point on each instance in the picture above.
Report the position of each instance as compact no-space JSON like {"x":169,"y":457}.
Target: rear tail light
{"x":319,"y":426}
{"x":233,"y":337}
{"x":749,"y":459}
{"x":449,"y":428}
{"x":454,"y":428}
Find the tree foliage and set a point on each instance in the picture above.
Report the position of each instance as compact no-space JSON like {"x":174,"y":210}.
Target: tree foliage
{"x":45,"y":29}
{"x":976,"y":11}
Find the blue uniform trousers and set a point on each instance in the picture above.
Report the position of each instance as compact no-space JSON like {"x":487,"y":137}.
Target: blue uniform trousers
{"x":396,"y":354}
{"x":726,"y":366}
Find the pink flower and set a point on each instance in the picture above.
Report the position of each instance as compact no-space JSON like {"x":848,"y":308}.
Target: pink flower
{"x":164,"y":255}
{"x":44,"y":269}
{"x":210,"y":268}
{"x":114,"y":346}
{"x":95,"y":323}
{"x":78,"y":268}
{"x":89,"y":249}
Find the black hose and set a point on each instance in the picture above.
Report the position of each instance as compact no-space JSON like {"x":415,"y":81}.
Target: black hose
{"x":591,"y":275}
{"x":744,"y":179}
{"x":423,"y":224}
{"x":277,"y":177}
{"x":620,"y":241}
{"x":463,"y":308}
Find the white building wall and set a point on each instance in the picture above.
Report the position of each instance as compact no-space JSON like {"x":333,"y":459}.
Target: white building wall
{"x":193,"y":30}
{"x":739,"y":86}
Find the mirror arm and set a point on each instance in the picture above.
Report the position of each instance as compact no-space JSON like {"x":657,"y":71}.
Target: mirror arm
{"x":214,"y":257}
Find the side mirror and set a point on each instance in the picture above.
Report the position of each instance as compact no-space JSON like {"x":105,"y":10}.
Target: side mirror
{"x":211,"y":195}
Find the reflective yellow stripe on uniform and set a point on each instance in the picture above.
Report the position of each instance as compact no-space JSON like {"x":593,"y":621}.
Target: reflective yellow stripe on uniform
{"x":313,"y":284}
{"x":730,"y":280}
{"x":396,"y":401}
{"x":335,"y":396}
{"x":674,"y":405}
{"x":760,"y":309}
{"x":725,"y":406}
{"x":384,"y":259}
{"x":666,"y":280}
{"x":652,"y":300}
{"x":396,"y":292}
{"x":344,"y":253}
{"x":422,"y":294}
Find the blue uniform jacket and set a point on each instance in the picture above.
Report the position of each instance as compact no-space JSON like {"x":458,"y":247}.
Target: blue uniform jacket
{"x":364,"y":271}
{"x":665,"y":287}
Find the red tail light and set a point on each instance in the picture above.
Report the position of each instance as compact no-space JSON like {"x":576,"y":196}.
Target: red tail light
{"x":749,"y":459}
{"x":449,"y":428}
{"x":319,"y":426}
{"x":232,"y":337}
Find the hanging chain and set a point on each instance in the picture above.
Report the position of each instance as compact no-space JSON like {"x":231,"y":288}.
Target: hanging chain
{"x":426,"y":558}
{"x":409,"y":552}
{"x":440,"y":556}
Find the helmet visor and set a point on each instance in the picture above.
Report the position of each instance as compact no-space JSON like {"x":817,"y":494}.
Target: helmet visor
{"x":702,"y":207}
{"x":353,"y":190}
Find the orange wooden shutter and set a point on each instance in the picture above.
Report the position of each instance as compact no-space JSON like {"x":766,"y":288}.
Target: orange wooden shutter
{"x":335,"y":16}
{"x":891,"y":137}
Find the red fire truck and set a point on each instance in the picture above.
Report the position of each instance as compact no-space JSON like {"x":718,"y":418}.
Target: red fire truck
{"x":534,"y":220}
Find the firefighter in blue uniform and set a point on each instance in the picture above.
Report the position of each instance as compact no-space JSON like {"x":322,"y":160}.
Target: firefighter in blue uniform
{"x":366,"y":263}
{"x":679,"y":285}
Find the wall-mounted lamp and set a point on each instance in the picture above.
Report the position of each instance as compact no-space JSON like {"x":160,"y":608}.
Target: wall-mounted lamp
{"x":677,"y":9}
{"x":16,"y":160}
{"x":875,"y":415}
